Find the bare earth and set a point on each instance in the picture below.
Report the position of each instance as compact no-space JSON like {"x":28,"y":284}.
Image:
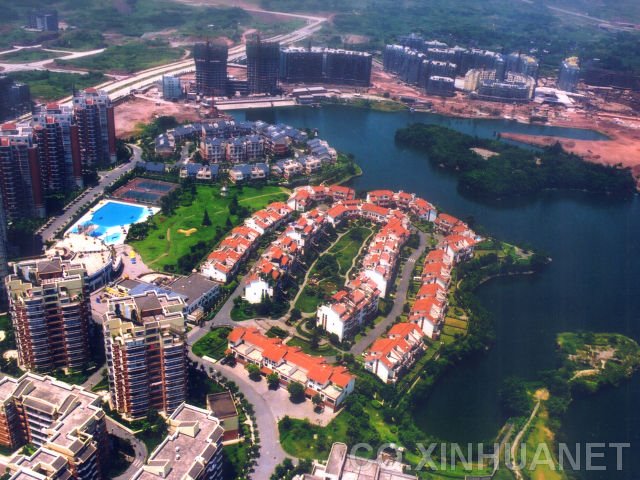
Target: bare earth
{"x":617,"y":121}
{"x":131,"y":113}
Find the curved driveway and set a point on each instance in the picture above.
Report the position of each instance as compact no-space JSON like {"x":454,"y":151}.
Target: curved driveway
{"x":271,"y":453}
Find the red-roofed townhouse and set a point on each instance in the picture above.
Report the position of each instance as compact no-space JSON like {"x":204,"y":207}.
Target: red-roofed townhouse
{"x":388,"y":358}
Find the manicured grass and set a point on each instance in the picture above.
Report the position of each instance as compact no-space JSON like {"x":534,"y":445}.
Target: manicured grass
{"x":277,"y":332}
{"x":46,"y":86}
{"x":324,"y":350}
{"x":128,"y":58}
{"x":165,"y":244}
{"x":456,"y":323}
{"x":213,"y":344}
{"x":309,"y":303}
{"x":346,"y":249}
{"x":28,"y":55}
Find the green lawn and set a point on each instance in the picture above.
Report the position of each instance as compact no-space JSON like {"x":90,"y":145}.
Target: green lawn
{"x":346,"y":249}
{"x":277,"y":332}
{"x":308,"y":302}
{"x":128,"y":58}
{"x":324,"y":350}
{"x":165,"y":244}
{"x":213,"y":344}
{"x":234,"y":460}
{"x":47,"y":86}
{"x":28,"y":55}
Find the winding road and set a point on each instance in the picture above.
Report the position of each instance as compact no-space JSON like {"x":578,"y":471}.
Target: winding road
{"x":398,"y":302}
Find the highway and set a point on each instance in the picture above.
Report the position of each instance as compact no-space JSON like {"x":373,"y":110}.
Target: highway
{"x":118,"y":89}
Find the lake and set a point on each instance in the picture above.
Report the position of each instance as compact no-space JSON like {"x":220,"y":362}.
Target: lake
{"x":592,"y":283}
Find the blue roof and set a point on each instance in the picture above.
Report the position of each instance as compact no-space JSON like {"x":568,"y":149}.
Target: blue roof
{"x":148,"y":287}
{"x":243,"y":168}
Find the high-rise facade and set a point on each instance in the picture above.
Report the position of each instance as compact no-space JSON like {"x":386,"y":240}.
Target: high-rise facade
{"x":56,"y":136}
{"x":15,"y":98}
{"x":263,"y":63}
{"x":569,"y":74}
{"x":64,"y":422}
{"x":171,"y":88}
{"x":325,"y":65}
{"x":94,"y":116}
{"x":20,"y":173}
{"x":146,"y":353}
{"x":50,"y":313}
{"x":46,"y":21}
{"x":4,"y":251}
{"x":211,"y":68}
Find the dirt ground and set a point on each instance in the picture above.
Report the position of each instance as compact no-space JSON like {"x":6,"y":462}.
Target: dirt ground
{"x":140,"y":110}
{"x":617,"y":120}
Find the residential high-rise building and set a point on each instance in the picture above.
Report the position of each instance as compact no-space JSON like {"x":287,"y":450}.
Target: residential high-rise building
{"x":4,"y":251}
{"x":58,"y":142}
{"x":569,"y":74}
{"x":46,"y":21}
{"x":94,"y":116}
{"x":301,"y":65}
{"x":20,"y":174}
{"x":521,"y":63}
{"x":211,"y":68}
{"x":325,"y":65}
{"x":50,"y":312}
{"x":346,"y":67}
{"x":263,"y":61}
{"x":171,"y":88}
{"x":146,"y":355}
{"x":65,"y":422}
{"x":192,"y":450}
{"x":15,"y":98}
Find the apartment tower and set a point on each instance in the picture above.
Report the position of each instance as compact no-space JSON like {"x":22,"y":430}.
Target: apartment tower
{"x":263,"y":63}
{"x":94,"y":116}
{"x":50,"y":312}
{"x":146,"y":353}
{"x":20,"y":173}
{"x":211,"y":68}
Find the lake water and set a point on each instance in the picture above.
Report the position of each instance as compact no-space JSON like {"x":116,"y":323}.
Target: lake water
{"x":592,"y":283}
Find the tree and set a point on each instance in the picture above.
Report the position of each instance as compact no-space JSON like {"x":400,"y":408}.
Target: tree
{"x":206,"y":221}
{"x":317,"y":401}
{"x":230,"y":359}
{"x":296,"y":391}
{"x":273,"y":380}
{"x":295,"y":315}
{"x":514,"y":399}
{"x":254,"y":371}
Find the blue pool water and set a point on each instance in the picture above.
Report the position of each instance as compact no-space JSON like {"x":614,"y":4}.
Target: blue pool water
{"x":110,"y":221}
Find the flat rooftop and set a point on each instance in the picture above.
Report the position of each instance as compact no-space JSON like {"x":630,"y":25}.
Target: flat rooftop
{"x":193,"y":286}
{"x":222,"y":405}
{"x":195,"y":433}
{"x":81,"y":248}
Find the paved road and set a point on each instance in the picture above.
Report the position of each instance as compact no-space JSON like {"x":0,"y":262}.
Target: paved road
{"x":140,"y":449}
{"x":271,"y":453}
{"x":401,"y":295}
{"x":46,"y":64}
{"x":221,"y":319}
{"x":94,"y":379}
{"x":89,"y":195}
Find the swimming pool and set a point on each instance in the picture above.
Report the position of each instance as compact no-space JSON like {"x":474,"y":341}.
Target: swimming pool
{"x":109,"y":220}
